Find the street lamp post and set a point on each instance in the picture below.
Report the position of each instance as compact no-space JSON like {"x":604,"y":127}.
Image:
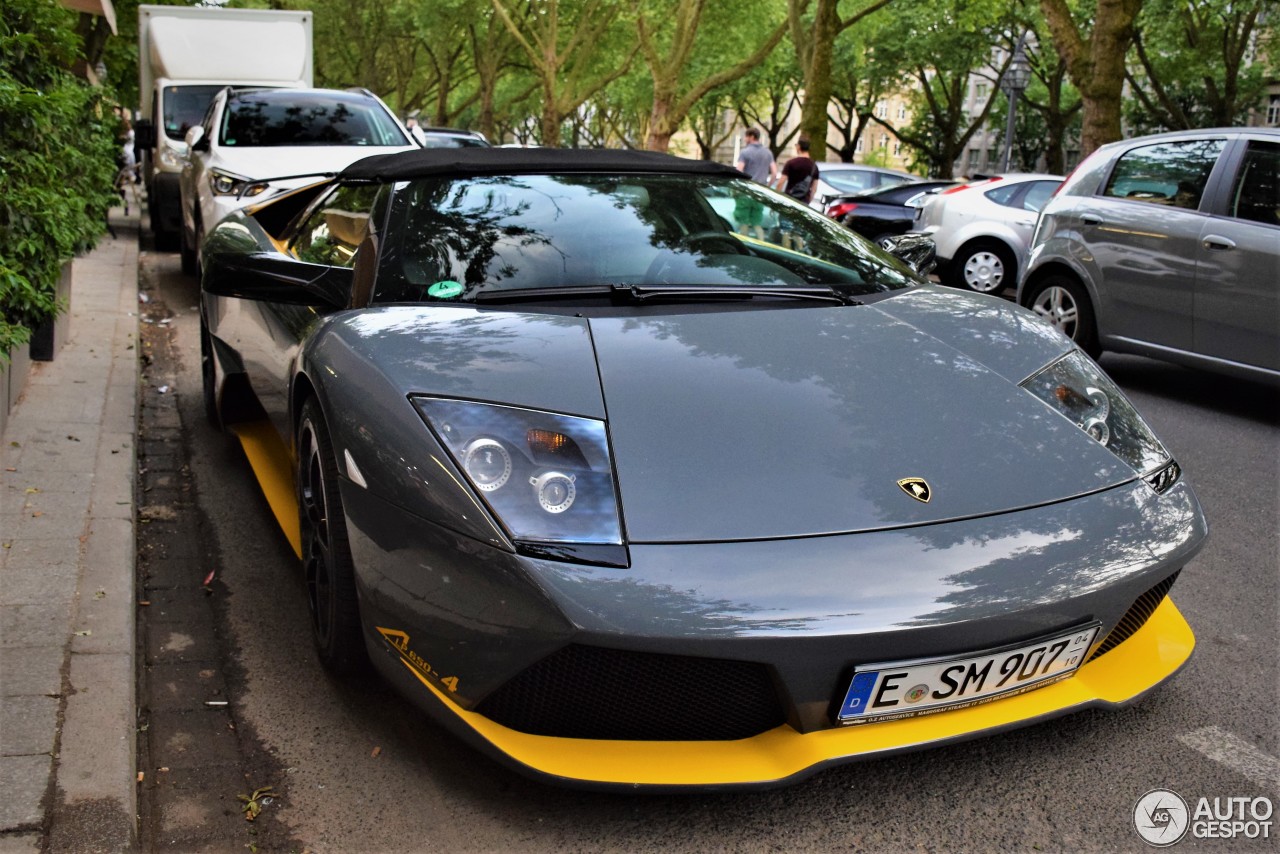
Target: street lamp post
{"x":1014,"y":82}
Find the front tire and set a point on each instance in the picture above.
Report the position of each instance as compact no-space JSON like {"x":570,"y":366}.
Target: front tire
{"x":986,"y":267}
{"x":326,"y":550}
{"x":1063,"y":302}
{"x":208,"y":376}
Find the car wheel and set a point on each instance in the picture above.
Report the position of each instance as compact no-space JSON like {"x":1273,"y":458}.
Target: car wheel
{"x":983,"y":267}
{"x":1063,"y":302}
{"x":326,"y":552}
{"x":208,"y":376}
{"x":884,"y":241}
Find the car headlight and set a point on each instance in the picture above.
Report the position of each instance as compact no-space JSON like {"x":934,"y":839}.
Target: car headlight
{"x":229,"y":184}
{"x":1077,"y":389}
{"x":547,"y":478}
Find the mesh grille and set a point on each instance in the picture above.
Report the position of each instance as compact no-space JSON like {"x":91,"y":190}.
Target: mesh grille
{"x":592,"y":692}
{"x":1137,"y":615}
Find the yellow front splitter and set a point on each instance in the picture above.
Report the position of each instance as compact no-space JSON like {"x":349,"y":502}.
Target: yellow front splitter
{"x":1154,"y":653}
{"x":1151,"y":655}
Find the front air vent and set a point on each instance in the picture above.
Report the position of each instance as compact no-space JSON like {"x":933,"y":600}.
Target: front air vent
{"x":599,"y":693}
{"x":1136,"y":617}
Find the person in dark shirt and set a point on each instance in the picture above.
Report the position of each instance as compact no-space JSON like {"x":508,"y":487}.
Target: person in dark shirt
{"x":797,"y":179}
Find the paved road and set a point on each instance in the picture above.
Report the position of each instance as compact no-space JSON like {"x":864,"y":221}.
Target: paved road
{"x":358,"y":769}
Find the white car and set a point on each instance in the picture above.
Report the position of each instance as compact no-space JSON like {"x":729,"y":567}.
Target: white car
{"x":982,"y":229}
{"x":256,"y":143}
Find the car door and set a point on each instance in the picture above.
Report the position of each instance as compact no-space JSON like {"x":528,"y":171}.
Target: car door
{"x":269,"y":335}
{"x":1141,"y":232}
{"x":1237,"y":304}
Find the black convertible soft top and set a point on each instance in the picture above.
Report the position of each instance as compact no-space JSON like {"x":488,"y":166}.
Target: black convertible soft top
{"x":404,"y":165}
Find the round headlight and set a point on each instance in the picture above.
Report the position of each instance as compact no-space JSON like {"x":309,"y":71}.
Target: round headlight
{"x":555,"y":491}
{"x":1096,"y":424}
{"x":487,"y":463}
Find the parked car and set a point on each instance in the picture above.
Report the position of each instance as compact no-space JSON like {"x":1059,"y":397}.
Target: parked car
{"x":1168,"y":246}
{"x":835,"y":179}
{"x":982,"y":229}
{"x":878,"y":214}
{"x":628,"y":499}
{"x":265,"y":141}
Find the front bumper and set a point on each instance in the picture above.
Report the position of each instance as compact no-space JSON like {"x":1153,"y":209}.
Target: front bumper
{"x":453,"y":623}
{"x":782,"y":755}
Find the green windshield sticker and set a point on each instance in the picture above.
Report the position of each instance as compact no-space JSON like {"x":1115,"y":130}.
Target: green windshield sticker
{"x":445,"y":289}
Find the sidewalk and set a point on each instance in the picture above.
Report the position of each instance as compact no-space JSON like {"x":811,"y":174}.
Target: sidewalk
{"x":67,"y":602}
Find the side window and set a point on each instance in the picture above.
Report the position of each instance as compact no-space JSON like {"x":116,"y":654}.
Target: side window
{"x":1003,"y":195}
{"x":1038,"y":195}
{"x":334,"y":230}
{"x":1170,"y":173}
{"x":1256,"y":194}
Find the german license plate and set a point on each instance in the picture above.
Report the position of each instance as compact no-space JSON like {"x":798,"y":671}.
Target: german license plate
{"x":883,"y":692}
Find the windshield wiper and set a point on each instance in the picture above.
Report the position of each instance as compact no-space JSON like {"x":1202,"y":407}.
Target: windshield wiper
{"x":823,"y":293}
{"x":637,"y":294}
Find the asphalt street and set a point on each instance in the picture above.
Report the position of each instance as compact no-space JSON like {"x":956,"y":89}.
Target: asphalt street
{"x":358,"y":768}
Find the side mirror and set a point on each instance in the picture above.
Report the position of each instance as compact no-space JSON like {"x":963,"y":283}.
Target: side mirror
{"x":195,"y":136}
{"x":268,"y":277}
{"x":917,"y":251}
{"x":144,"y":135}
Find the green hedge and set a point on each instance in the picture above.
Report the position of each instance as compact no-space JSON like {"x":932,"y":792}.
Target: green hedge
{"x":57,"y":162}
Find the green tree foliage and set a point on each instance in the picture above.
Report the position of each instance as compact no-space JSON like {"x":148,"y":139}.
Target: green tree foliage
{"x":685,"y":67}
{"x":1191,"y":65}
{"x":937,"y":45}
{"x":815,"y":25}
{"x":57,"y":161}
{"x":574,"y":48}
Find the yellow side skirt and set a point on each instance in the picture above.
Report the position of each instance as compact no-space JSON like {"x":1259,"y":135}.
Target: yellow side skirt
{"x":273,"y":467}
{"x":1151,"y":655}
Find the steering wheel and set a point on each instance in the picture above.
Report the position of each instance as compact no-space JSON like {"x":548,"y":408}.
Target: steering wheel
{"x":713,"y":242}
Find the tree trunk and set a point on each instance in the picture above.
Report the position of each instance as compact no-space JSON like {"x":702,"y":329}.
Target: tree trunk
{"x":1096,"y":65}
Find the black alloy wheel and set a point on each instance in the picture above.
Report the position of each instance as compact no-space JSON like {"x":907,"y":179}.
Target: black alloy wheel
{"x":326,"y":551}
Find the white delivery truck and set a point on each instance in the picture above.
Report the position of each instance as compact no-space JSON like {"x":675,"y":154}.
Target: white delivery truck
{"x":187,"y":54}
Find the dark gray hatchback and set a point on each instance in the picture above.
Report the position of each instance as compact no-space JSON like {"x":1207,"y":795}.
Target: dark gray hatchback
{"x":1168,"y":246}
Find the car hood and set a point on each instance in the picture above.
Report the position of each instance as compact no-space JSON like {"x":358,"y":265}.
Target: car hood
{"x":755,"y":424}
{"x":265,"y":162}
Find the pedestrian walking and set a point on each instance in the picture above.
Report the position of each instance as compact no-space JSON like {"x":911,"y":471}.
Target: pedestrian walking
{"x":797,"y":179}
{"x":758,"y":163}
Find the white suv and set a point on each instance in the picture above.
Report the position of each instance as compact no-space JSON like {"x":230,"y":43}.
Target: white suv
{"x":982,"y":229}
{"x":255,"y":143}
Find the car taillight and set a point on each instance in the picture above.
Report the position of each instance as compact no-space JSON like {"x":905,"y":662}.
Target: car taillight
{"x":839,"y":209}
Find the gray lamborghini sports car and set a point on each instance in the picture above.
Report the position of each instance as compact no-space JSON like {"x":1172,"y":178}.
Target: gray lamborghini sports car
{"x":634,"y":473}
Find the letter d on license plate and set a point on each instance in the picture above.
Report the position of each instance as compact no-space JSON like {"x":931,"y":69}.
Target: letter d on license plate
{"x":883,"y":692}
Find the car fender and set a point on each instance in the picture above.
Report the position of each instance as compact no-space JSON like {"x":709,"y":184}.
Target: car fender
{"x":956,"y":239}
{"x":1060,"y":249}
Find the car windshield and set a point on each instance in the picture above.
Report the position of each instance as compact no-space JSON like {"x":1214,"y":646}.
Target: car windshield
{"x":459,"y":238}
{"x":307,"y":118}
{"x":184,"y":107}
